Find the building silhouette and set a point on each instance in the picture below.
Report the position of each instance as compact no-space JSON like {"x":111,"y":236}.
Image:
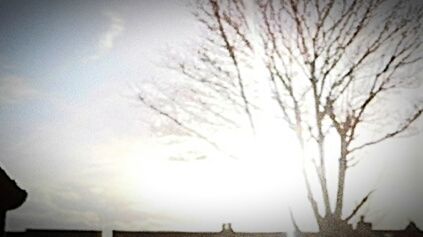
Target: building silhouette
{"x":226,"y":231}
{"x":365,"y":229}
{"x":362,"y":229}
{"x":55,"y":233}
{"x":411,"y":230}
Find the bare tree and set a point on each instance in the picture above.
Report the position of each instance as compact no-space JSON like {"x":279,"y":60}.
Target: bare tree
{"x":329,"y":66}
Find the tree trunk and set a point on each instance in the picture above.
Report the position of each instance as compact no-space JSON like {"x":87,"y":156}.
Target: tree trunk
{"x":2,"y":223}
{"x":341,"y":179}
{"x":332,"y":226}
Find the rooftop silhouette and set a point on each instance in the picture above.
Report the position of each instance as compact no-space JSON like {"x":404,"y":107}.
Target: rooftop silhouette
{"x":363,"y":228}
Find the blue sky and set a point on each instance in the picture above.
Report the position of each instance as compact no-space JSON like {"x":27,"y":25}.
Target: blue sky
{"x":66,"y":75}
{"x":73,"y":135}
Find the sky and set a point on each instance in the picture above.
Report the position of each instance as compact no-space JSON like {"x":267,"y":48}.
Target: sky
{"x":75,"y":137}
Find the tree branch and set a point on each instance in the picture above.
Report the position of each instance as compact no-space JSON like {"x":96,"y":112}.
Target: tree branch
{"x":357,"y":208}
{"x":404,"y":127}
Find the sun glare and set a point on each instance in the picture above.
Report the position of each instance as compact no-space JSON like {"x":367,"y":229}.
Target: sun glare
{"x":262,"y":168}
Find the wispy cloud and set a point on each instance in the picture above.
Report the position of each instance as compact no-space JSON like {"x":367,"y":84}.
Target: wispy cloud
{"x":107,"y":39}
{"x":15,"y":89}
{"x":116,"y":28}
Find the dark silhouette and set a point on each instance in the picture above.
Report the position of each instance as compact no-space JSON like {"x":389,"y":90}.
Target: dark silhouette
{"x":365,"y":229}
{"x":11,"y":197}
{"x":226,"y":231}
{"x":55,"y":233}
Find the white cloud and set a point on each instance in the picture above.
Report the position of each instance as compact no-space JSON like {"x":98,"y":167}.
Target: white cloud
{"x":116,"y":28}
{"x":108,"y":38}
{"x":15,"y":90}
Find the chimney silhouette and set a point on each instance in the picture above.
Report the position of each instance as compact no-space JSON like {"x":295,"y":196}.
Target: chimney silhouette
{"x":227,"y":227}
